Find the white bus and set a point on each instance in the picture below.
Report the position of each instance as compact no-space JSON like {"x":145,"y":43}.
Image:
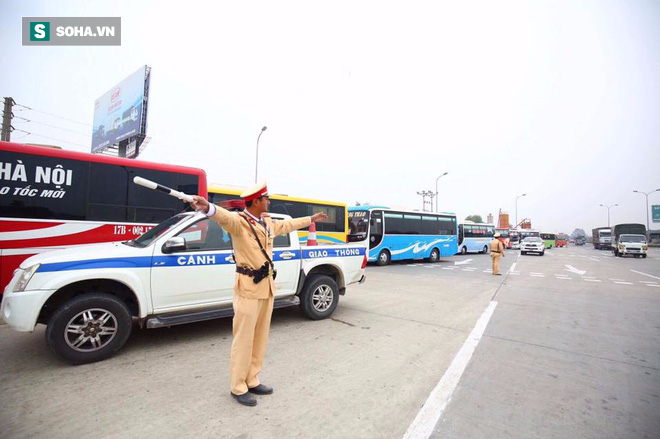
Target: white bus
{"x":474,"y":237}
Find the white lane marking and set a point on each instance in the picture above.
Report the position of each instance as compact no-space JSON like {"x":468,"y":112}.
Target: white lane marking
{"x":647,"y":282}
{"x":429,"y":415}
{"x":644,"y":274}
{"x":593,"y":280}
{"x":412,"y":265}
{"x":534,"y":272}
{"x":514,"y":273}
{"x":624,"y":283}
{"x":447,"y":268}
{"x":649,"y":285}
{"x":589,"y":277}
{"x":429,"y":266}
{"x":467,"y":261}
{"x":488,"y":271}
{"x":574,"y":270}
{"x":513,"y":268}
{"x":593,"y":259}
{"x":469,"y":269}
{"x":565,"y":278}
{"x":537,"y":275}
{"x":617,"y":280}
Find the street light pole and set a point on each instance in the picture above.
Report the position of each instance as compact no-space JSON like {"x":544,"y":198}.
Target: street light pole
{"x":517,"y":207}
{"x":256,"y":165}
{"x":608,"y":212}
{"x":436,"y":191}
{"x":646,"y":194}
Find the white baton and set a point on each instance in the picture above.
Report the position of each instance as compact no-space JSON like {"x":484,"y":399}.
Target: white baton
{"x":159,"y":187}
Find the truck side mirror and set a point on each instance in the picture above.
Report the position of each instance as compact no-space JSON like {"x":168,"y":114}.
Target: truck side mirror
{"x":175,"y":244}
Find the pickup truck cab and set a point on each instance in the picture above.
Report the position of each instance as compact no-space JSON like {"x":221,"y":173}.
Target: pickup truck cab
{"x":180,"y":271}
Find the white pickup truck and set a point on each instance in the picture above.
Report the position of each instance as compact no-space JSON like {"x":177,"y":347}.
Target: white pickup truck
{"x":180,"y":271}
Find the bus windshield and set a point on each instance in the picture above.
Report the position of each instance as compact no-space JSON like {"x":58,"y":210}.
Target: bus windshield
{"x":358,"y":225}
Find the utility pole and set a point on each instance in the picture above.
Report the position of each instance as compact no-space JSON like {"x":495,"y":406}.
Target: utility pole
{"x":425,"y":194}
{"x":7,"y":115}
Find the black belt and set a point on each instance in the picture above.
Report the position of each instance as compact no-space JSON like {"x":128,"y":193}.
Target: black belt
{"x":493,"y":251}
{"x":247,"y":271}
{"x":257,"y":275}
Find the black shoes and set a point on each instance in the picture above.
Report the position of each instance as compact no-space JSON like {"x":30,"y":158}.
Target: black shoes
{"x":246,"y":399}
{"x":261,"y":390}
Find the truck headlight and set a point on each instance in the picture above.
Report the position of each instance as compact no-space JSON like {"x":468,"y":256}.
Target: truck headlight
{"x":645,"y":247}
{"x":621,"y":247}
{"x":25,"y":278}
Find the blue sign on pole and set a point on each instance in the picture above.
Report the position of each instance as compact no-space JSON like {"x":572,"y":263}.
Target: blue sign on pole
{"x":656,"y":213}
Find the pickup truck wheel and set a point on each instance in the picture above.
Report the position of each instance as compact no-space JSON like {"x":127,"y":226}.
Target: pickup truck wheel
{"x":435,"y":255}
{"x":383,"y":258}
{"x":89,"y":328}
{"x":643,"y":256}
{"x":319,"y":297}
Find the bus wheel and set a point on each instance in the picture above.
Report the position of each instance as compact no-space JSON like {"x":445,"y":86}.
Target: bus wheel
{"x":319,"y":297}
{"x":383,"y":258}
{"x":89,"y":328}
{"x":485,"y":249}
{"x":435,"y":255}
{"x":463,"y":250}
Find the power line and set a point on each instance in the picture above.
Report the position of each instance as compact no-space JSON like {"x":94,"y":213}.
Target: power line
{"x":53,"y":115}
{"x":48,"y":137}
{"x":52,"y":126}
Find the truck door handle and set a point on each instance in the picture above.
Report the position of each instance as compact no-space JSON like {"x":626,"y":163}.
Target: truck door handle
{"x":287,"y":255}
{"x":230,"y":259}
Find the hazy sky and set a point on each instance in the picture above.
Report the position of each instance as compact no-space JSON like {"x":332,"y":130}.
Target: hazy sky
{"x":371,"y":101}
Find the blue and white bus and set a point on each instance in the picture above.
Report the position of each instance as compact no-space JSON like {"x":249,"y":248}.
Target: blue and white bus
{"x":400,"y":234}
{"x":474,"y":237}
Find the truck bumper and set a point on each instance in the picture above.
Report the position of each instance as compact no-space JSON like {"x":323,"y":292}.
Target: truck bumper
{"x":21,"y":310}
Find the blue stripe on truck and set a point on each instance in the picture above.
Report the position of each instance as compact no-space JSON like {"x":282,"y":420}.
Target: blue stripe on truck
{"x":193,"y":259}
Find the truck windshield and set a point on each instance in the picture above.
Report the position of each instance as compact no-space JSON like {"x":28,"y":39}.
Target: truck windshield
{"x":606,"y":234}
{"x":358,"y":225}
{"x":632,"y":238}
{"x":150,"y":236}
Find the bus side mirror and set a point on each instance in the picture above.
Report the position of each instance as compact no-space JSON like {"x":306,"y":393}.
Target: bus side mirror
{"x":175,"y":244}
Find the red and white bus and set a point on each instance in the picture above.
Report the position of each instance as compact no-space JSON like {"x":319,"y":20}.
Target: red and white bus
{"x":54,"y":199}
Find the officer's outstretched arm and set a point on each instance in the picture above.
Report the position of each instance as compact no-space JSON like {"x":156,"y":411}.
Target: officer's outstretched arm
{"x":282,"y":227}
{"x":229,"y":221}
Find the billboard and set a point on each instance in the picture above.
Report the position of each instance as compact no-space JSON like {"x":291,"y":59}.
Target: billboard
{"x":656,"y":213}
{"x":121,"y":113}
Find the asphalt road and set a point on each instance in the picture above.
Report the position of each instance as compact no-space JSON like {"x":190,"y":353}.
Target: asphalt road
{"x":572,"y":349}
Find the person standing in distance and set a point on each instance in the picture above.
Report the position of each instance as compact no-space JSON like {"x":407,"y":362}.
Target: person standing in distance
{"x":496,"y":253}
{"x":252,"y":232}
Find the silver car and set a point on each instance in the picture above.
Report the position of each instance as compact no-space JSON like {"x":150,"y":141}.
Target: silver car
{"x":532,"y":244}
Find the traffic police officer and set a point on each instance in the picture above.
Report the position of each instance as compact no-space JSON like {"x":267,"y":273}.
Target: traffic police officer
{"x":496,"y":252}
{"x":252,"y":232}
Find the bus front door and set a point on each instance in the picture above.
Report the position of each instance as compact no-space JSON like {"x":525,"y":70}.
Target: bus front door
{"x":375,"y":229}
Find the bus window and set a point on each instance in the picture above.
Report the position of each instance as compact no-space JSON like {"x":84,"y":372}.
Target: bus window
{"x":36,"y":194}
{"x":393,"y":223}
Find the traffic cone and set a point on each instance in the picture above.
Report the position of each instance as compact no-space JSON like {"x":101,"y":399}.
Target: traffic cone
{"x":311,"y":236}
